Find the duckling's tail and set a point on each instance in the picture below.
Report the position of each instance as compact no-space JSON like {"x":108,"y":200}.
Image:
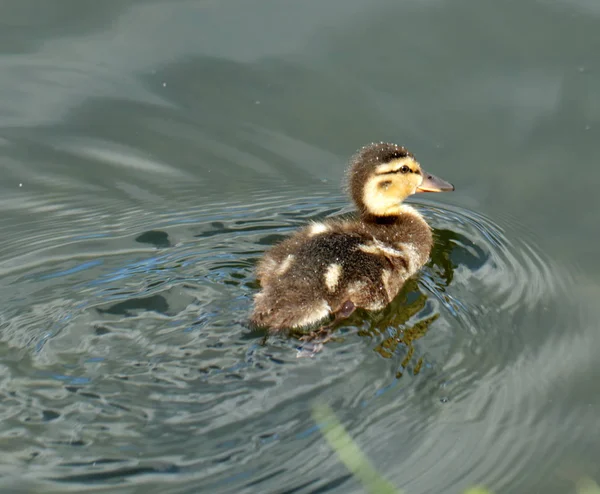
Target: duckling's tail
{"x":277,"y":312}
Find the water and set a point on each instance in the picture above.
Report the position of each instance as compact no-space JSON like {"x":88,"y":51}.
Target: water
{"x":152,"y":151}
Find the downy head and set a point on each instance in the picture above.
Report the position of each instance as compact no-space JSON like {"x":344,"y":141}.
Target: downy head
{"x":382,"y":175}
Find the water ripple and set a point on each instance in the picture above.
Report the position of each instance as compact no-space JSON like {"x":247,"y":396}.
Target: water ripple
{"x":140,"y":341}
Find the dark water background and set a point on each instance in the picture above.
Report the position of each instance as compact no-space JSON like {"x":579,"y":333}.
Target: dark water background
{"x":150,"y":151}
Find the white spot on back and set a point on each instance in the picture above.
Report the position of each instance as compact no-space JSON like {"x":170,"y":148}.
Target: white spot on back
{"x":413,"y":256}
{"x":356,"y":288}
{"x":332,"y":276}
{"x":317,"y":229}
{"x":285,"y":265}
{"x":379,"y":248}
{"x":385,"y":279}
{"x":370,"y":249}
{"x":314,"y":314}
{"x":390,"y":251}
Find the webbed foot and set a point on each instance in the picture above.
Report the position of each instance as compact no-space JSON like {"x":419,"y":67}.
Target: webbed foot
{"x":346,"y":310}
{"x":313,"y":342}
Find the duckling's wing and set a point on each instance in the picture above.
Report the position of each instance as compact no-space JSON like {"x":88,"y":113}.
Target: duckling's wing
{"x":307,"y":279}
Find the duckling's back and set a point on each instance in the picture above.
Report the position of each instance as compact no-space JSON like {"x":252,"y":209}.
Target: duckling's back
{"x":332,"y":268}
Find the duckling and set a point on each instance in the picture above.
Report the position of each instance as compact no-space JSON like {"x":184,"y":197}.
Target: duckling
{"x":331,"y":268}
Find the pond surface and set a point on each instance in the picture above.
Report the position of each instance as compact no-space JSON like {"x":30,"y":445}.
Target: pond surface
{"x":151,"y":151}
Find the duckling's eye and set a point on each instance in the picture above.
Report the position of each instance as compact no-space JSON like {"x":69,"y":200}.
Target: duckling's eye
{"x":405,"y":169}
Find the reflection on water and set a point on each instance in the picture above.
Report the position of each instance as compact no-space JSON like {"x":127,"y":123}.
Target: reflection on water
{"x":151,"y":348}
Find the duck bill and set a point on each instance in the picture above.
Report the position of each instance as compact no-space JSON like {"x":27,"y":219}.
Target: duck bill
{"x":432,"y":183}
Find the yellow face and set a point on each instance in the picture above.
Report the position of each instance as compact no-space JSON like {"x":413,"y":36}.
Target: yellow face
{"x":390,"y":184}
{"x":393,"y":182}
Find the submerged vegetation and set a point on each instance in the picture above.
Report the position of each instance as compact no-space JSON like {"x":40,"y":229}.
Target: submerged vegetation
{"x":359,"y":465}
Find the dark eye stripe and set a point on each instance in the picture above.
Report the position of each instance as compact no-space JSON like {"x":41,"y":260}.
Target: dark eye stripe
{"x":398,"y":170}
